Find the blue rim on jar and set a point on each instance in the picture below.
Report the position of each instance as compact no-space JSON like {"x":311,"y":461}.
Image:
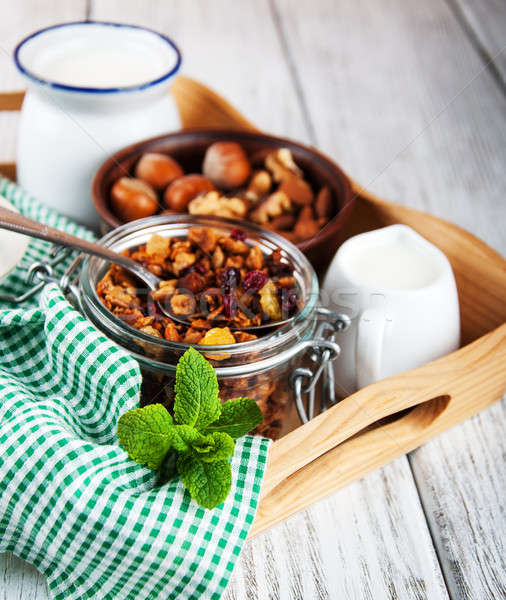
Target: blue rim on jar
{"x":33,"y":76}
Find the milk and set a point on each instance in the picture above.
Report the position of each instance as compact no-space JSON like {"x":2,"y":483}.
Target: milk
{"x":104,"y":67}
{"x":397,"y":264}
{"x":98,"y":55}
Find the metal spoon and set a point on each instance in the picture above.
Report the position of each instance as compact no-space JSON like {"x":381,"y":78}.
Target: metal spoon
{"x":21,"y":224}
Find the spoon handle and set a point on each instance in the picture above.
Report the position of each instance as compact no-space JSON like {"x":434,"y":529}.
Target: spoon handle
{"x":20,"y":224}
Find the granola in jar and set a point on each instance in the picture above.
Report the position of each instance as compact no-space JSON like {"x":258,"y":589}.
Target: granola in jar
{"x":217,"y":285}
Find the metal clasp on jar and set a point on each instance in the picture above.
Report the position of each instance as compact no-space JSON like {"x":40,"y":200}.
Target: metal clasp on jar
{"x":325,"y":351}
{"x":38,"y":274}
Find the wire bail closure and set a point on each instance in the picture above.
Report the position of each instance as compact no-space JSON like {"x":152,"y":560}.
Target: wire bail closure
{"x":38,"y":274}
{"x":325,"y":351}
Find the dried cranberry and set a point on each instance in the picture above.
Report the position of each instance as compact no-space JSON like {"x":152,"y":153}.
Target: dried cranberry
{"x":230,"y":279}
{"x":195,"y":268}
{"x":199,"y":268}
{"x":229,"y":306}
{"x":288,"y":300}
{"x":151,"y":310}
{"x":238,"y":235}
{"x":254,"y":280}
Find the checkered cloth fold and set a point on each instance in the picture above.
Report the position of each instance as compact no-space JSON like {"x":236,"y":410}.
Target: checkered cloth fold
{"x":71,"y":501}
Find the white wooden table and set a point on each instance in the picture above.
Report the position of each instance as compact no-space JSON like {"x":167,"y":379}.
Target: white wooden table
{"x":409,"y":97}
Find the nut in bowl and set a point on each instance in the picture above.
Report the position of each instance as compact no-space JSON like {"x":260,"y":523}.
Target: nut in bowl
{"x":273,"y":182}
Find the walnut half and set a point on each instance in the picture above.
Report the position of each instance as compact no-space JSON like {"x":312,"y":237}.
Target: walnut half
{"x":275,"y":205}
{"x":213,"y":203}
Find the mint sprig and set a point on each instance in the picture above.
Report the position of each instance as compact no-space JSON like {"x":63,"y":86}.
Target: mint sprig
{"x":199,"y":440}
{"x":236,"y":418}
{"x":196,"y":403}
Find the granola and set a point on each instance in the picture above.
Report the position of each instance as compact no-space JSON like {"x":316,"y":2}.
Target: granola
{"x":217,"y":284}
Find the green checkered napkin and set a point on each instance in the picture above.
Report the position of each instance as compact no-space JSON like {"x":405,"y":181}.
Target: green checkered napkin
{"x":71,"y":501}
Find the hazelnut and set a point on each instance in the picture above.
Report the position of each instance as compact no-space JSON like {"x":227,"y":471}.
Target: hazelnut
{"x":235,"y":261}
{"x":234,"y":246}
{"x":150,"y":330}
{"x":158,"y":170}
{"x":164,"y":291}
{"x":182,"y":261}
{"x":158,"y":247}
{"x":193,"y":336}
{"x":133,"y":199}
{"x":181,"y":191}
{"x":298,"y":190}
{"x":226,"y":165}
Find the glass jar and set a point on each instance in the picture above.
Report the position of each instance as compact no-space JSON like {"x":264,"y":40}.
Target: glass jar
{"x":265,"y":369}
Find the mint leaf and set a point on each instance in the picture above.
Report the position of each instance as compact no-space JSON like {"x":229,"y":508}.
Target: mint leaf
{"x":209,"y":447}
{"x":146,"y":434}
{"x":185,"y":437}
{"x":216,"y":446}
{"x":196,"y":402}
{"x":207,"y":482}
{"x":238,"y":417}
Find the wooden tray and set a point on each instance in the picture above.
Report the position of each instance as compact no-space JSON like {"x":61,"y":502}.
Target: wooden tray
{"x":394,"y":416}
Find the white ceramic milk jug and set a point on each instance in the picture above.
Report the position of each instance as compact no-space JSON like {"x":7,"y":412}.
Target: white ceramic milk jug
{"x":93,"y":88}
{"x":400,"y":293}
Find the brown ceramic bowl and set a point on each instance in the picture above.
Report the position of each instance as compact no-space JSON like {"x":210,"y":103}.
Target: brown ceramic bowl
{"x":188,"y":148}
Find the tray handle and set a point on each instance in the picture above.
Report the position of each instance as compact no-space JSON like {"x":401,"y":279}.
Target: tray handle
{"x":472,"y":378}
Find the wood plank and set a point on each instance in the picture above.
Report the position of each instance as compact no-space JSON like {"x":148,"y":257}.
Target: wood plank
{"x":18,"y":20}
{"x":398,"y":95}
{"x":230,"y":46}
{"x":357,"y":544}
{"x":462,"y":478}
{"x":486,"y":23}
{"x":19,"y":580}
{"x":406,"y":124}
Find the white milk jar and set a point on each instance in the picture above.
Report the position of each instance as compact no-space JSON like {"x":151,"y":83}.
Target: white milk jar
{"x":93,"y":87}
{"x":400,"y":294}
